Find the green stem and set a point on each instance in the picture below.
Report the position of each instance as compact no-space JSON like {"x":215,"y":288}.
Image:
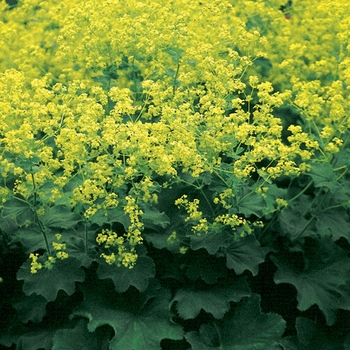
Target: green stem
{"x":305,"y":227}
{"x":34,"y":190}
{"x":175,"y":78}
{"x":302,"y":191}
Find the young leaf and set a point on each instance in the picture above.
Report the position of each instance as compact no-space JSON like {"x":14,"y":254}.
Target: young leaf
{"x":152,"y":218}
{"x":140,"y":324}
{"x":245,"y":254}
{"x":124,"y":277}
{"x":212,"y":242}
{"x":323,"y":176}
{"x":244,"y":329}
{"x":17,"y":210}
{"x":30,"y":238}
{"x":47,"y":282}
{"x":215,"y":300}
{"x":251,"y":204}
{"x":323,"y":281}
{"x":60,"y":216}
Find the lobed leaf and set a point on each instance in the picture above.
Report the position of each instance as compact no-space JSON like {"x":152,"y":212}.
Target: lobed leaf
{"x":244,"y":329}
{"x":47,"y":282}
{"x":215,"y":300}
{"x":124,"y":277}
{"x":245,"y":254}
{"x":139,"y":324}
{"x":324,"y":280}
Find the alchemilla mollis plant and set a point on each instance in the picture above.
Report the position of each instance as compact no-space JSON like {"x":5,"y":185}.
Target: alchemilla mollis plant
{"x":174,"y":175}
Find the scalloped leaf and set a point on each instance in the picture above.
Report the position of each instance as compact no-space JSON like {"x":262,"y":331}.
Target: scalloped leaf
{"x":47,"y":282}
{"x":245,"y":254}
{"x":124,"y":277}
{"x":324,"y":281}
{"x":244,"y":329}
{"x":215,"y":300}
{"x":139,"y":321}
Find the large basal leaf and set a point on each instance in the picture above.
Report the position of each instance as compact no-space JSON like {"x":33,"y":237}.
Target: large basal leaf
{"x":139,"y":323}
{"x":244,"y":329}
{"x":245,"y":254}
{"x":323,"y":281}
{"x":47,"y":282}
{"x":124,"y":277}
{"x":78,"y":338}
{"x":215,"y":300}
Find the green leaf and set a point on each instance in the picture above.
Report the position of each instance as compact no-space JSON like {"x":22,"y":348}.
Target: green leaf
{"x":323,"y":176}
{"x":206,"y":267}
{"x":113,"y":215}
{"x":312,"y":337}
{"x":215,"y":300}
{"x":244,"y":329}
{"x":18,"y":210}
{"x":37,"y":340}
{"x":77,"y":249}
{"x":324,"y":280}
{"x":245,"y":254}
{"x":251,"y":203}
{"x":30,"y":238}
{"x":47,"y":282}
{"x":78,"y":338}
{"x":175,"y":53}
{"x":335,"y":223}
{"x":152,"y":218}
{"x":124,"y":277}
{"x":140,"y":321}
{"x":31,"y":308}
{"x":60,"y":216}
{"x":212,"y":242}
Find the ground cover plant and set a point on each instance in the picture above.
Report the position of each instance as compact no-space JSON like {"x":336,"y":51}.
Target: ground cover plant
{"x":174,"y":175}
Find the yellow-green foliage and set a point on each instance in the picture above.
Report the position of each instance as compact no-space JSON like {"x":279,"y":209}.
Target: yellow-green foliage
{"x":103,"y":97}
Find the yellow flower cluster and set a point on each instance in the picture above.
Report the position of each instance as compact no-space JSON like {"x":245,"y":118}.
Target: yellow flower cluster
{"x":122,"y":256}
{"x":99,"y":99}
{"x":37,"y":263}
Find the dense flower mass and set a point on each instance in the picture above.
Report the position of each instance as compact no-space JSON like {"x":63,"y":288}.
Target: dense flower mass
{"x":165,"y":164}
{"x":106,"y":104}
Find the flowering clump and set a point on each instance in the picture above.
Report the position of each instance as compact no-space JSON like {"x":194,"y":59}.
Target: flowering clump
{"x":176,"y":144}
